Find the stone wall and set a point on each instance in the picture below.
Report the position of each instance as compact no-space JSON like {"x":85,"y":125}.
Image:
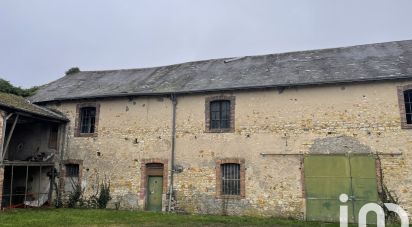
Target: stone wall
{"x":321,"y":119}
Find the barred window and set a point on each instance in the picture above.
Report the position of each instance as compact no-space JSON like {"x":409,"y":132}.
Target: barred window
{"x":220,"y":114}
{"x":72,"y":170}
{"x":408,"y":105}
{"x":230,"y":179}
{"x":87,"y":119}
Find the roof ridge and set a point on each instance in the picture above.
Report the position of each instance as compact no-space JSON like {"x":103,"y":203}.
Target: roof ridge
{"x":369,"y":62}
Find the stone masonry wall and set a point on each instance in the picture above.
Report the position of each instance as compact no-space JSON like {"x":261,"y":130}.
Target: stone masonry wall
{"x":287,"y":121}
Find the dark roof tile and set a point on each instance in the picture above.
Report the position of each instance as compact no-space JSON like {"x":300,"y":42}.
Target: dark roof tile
{"x":392,"y":60}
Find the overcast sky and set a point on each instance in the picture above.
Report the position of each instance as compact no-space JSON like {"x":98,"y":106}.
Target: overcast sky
{"x":41,"y":39}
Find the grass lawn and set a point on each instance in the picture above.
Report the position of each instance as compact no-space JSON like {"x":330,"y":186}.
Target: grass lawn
{"x":89,"y":217}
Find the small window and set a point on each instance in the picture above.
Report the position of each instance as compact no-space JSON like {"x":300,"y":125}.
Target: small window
{"x":87,"y":119}
{"x":230,"y":179}
{"x":72,"y":170}
{"x":408,"y":105}
{"x":54,"y":130}
{"x":220,"y":114}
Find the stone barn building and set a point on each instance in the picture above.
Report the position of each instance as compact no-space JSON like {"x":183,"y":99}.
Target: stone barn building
{"x":277,"y":135}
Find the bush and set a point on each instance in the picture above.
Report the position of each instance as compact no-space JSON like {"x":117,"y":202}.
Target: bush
{"x":104,"y":195}
{"x":75,"y":195}
{"x":98,"y":200}
{"x":72,"y":70}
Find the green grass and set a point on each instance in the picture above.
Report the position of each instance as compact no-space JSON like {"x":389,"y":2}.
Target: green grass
{"x":92,"y":217}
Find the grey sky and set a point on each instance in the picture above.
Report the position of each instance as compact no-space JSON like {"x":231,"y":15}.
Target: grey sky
{"x":40,"y":40}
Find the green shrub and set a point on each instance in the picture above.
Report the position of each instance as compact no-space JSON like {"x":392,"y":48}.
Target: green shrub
{"x":104,"y":195}
{"x":72,"y":70}
{"x":75,"y":196}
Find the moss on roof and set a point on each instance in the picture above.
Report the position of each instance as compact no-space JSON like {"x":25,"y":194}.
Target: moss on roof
{"x":19,"y":103}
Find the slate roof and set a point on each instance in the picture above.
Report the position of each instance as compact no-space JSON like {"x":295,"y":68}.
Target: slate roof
{"x":381,"y":61}
{"x":20,"y":104}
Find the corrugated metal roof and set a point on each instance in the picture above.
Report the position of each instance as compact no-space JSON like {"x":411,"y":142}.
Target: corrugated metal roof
{"x":21,"y":104}
{"x":382,"y":61}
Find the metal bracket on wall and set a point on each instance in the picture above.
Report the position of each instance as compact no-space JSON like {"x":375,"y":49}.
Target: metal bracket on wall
{"x":280,"y":154}
{"x":389,"y":154}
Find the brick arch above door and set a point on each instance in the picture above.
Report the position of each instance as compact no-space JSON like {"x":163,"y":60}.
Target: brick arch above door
{"x":143,"y":174}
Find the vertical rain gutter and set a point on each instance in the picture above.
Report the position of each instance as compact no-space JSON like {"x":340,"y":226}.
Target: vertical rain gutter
{"x":63,"y":136}
{"x":172,"y":155}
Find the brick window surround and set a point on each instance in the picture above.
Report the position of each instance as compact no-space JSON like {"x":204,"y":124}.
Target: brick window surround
{"x":401,"y":101}
{"x":77,"y":132}
{"x":208,"y":100}
{"x":144,"y":175}
{"x":239,"y":161}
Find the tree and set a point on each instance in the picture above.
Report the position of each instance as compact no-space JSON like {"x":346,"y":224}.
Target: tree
{"x":7,"y":87}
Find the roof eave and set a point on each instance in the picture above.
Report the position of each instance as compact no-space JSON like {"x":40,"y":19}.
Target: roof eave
{"x":20,"y":110}
{"x":227,"y":89}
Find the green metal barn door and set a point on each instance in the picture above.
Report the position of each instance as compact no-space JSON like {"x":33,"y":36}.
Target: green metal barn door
{"x":364,"y":186}
{"x":328,"y":176}
{"x":154,"y":193}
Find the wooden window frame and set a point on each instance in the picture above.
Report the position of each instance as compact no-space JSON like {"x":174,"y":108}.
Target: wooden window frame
{"x":219,"y":189}
{"x":211,"y":99}
{"x":54,"y":144}
{"x":77,"y":131}
{"x":401,"y":101}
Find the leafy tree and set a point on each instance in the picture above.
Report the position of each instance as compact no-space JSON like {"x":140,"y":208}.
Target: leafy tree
{"x":7,"y":87}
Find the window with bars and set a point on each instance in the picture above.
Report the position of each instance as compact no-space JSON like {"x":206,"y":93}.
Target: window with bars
{"x":72,"y":170}
{"x":87,"y":119}
{"x":230,"y":179}
{"x":408,"y":105}
{"x":220,"y":114}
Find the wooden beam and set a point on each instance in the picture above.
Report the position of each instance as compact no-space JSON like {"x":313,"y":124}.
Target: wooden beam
{"x":8,"y":116}
{"x":39,"y":117}
{"x":3,"y":134}
{"x":9,"y":137}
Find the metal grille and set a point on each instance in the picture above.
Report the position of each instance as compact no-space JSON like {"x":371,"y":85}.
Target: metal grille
{"x":88,"y":119}
{"x":408,"y":105}
{"x":220,"y":114}
{"x":72,"y":170}
{"x":21,"y":189}
{"x":230,"y":179}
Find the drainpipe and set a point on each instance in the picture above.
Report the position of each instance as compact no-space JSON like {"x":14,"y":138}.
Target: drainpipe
{"x":172,"y":155}
{"x":63,"y":129}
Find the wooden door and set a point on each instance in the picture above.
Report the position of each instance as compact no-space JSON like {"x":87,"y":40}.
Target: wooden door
{"x":154,"y":193}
